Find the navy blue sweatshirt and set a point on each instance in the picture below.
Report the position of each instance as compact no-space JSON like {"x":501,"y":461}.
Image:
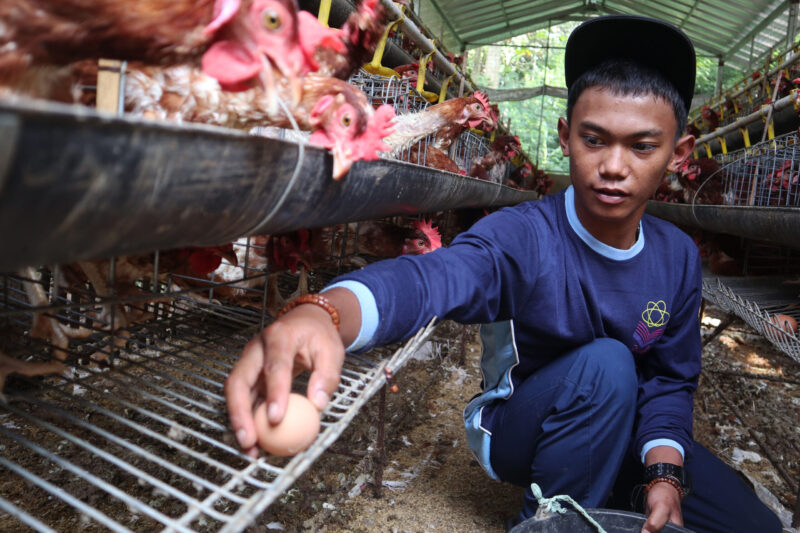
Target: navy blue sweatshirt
{"x":536,"y":265}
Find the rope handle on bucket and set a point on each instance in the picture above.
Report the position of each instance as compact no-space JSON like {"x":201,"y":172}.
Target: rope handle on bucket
{"x":551,"y":505}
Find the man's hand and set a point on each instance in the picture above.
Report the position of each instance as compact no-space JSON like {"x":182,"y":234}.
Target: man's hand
{"x":663,"y":505}
{"x":302,"y":339}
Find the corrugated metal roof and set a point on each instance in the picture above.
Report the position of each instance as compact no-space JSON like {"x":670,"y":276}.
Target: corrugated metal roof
{"x":735,"y":30}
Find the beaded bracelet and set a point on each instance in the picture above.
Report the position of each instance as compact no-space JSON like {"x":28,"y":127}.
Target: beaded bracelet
{"x":316,"y":299}
{"x":675,"y":483}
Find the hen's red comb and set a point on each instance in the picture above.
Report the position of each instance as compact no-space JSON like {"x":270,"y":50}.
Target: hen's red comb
{"x":427,"y":229}
{"x":483,"y":99}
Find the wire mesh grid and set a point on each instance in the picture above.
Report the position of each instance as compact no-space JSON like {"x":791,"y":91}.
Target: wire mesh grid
{"x":139,"y":440}
{"x":766,"y":174}
{"x":757,"y":301}
{"x":467,"y":148}
{"x":394,"y":91}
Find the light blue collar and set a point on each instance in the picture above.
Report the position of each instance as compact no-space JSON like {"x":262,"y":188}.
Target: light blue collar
{"x":600,"y":247}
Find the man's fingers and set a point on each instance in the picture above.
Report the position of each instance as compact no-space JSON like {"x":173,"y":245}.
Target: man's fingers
{"x":325,"y":375}
{"x":238,"y":386}
{"x":278,"y":365}
{"x":657,"y":519}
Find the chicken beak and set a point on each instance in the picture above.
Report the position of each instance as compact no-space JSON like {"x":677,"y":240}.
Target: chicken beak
{"x":341,"y":162}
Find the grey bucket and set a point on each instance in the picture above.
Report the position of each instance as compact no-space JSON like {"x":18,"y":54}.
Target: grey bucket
{"x":613,"y":521}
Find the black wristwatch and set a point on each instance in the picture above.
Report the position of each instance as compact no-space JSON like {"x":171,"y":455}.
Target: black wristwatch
{"x":668,"y":470}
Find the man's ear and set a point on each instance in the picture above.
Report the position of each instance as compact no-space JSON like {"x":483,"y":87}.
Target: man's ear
{"x":563,"y":136}
{"x":683,"y":148}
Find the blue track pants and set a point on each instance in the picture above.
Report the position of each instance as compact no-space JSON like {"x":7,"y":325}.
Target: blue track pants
{"x":569,"y":427}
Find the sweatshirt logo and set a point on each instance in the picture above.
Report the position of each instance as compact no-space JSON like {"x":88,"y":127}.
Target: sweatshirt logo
{"x":651,"y":327}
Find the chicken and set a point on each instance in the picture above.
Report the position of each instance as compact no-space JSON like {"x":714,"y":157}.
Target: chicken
{"x":181,"y":268}
{"x":491,"y":165}
{"x":339,"y":114}
{"x":375,"y":238}
{"x":701,"y":181}
{"x":519,"y":176}
{"x":239,"y":42}
{"x":431,"y":157}
{"x":359,"y":37}
{"x":711,"y":117}
{"x":448,"y":120}
{"x":669,"y":190}
{"x":11,"y":365}
{"x":781,"y":182}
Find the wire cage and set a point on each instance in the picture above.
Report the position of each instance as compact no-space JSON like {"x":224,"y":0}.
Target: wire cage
{"x":396,"y":92}
{"x":126,"y":427}
{"x":765,"y":174}
{"x":467,"y":148}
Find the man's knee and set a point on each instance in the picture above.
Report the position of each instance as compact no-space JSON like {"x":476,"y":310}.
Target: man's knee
{"x":607,"y":367}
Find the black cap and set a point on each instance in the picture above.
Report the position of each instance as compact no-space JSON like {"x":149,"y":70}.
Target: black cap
{"x":648,"y":41}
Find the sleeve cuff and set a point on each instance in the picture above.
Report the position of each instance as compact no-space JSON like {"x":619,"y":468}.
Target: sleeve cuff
{"x":369,"y":311}
{"x":649,"y":445}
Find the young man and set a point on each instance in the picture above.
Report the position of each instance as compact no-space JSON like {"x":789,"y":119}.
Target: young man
{"x":592,"y":339}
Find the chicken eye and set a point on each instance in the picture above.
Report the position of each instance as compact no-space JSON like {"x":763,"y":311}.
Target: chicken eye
{"x":270,"y":19}
{"x":420,"y":243}
{"x":345,"y":121}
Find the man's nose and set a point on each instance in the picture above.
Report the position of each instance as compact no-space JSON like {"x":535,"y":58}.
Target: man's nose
{"x":615,"y":164}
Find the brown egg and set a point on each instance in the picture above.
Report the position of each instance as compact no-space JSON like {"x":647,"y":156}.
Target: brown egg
{"x":786,"y":323}
{"x":295,"y":433}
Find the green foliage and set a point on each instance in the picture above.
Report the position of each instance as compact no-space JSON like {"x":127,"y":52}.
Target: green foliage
{"x":707,"y":75}
{"x":529,"y":60}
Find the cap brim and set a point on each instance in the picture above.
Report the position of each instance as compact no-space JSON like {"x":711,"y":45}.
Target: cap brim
{"x":651,"y":42}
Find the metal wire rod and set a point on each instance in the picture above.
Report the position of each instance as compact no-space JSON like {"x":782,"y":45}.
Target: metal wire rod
{"x":24,"y":517}
{"x":58,"y":492}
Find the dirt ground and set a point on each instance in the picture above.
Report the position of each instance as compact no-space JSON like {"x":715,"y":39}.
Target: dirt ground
{"x":431,"y":482}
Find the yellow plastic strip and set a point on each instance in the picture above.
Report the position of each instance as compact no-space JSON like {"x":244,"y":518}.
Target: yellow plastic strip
{"x":746,"y":136}
{"x":375,"y":66}
{"x":423,"y":64}
{"x":696,"y":155}
{"x":445,"y":84}
{"x":708,"y":149}
{"x":723,"y":144}
{"x":324,"y":12}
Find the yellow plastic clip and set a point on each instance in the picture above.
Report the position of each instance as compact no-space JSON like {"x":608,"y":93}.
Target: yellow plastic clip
{"x":708,"y":149}
{"x":423,"y":64}
{"x":375,"y":66}
{"x":696,"y":155}
{"x":324,"y":12}
{"x":445,"y":84}
{"x":746,"y":136}
{"x":795,"y":100}
{"x":723,"y":144}
{"x":770,"y":125}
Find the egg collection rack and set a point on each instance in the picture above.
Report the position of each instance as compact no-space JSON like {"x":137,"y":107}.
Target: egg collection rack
{"x":756,"y":300}
{"x":134,"y":434}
